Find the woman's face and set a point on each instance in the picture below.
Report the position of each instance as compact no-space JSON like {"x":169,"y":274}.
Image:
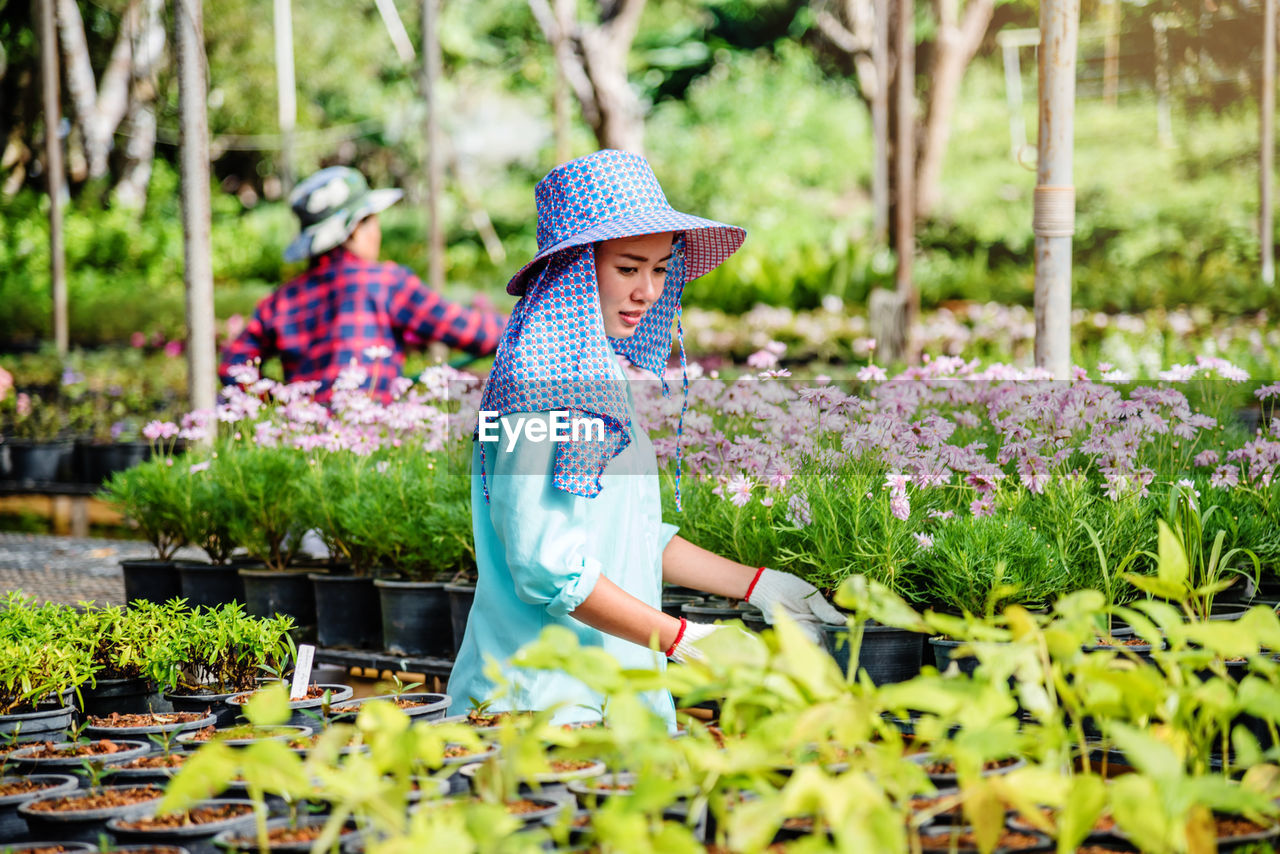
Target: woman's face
{"x":631,"y":272}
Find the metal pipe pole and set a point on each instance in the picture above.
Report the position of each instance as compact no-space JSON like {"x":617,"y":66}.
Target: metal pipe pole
{"x":1053,"y":222}
{"x":435,"y":158}
{"x":1266,"y":154}
{"x":286,"y":91}
{"x":202,"y":374}
{"x":53,"y":171}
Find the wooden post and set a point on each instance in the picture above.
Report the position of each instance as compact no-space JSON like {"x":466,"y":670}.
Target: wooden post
{"x":435,"y":158}
{"x":905,"y":164}
{"x":881,"y":10}
{"x":1111,"y":52}
{"x":1164,"y":115}
{"x":1053,"y":221}
{"x":286,"y":91}
{"x":202,"y":378}
{"x":1266,"y":154}
{"x":53,"y":172}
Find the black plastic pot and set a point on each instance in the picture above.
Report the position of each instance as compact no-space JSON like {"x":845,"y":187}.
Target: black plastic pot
{"x":75,"y":764}
{"x":708,"y":611}
{"x":196,"y":838}
{"x":944,"y":653}
{"x":416,"y":618}
{"x":12,"y":825}
{"x":150,"y":580}
{"x":46,"y":723}
{"x":142,"y":732}
{"x":208,"y":584}
{"x":888,"y":654}
{"x":289,"y":592}
{"x":123,"y":696}
{"x":80,"y":825}
{"x":41,"y":462}
{"x":224,"y":715}
{"x":460,"y":598}
{"x":673,"y":603}
{"x":97,"y":462}
{"x":347,"y":611}
{"x":63,"y":844}
{"x":284,"y":732}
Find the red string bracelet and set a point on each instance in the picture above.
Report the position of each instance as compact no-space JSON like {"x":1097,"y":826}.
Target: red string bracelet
{"x":680,"y":634}
{"x":752,"y":586}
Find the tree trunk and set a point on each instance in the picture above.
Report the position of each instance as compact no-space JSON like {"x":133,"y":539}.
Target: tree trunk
{"x":593,"y":60}
{"x":957,"y":42}
{"x":140,"y":121}
{"x":98,"y":109}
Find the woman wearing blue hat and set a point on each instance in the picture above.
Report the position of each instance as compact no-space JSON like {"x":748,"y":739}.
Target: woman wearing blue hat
{"x":570,"y":533}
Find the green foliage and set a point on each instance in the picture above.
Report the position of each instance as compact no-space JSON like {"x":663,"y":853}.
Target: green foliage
{"x":978,"y":563}
{"x":221,"y":650}
{"x":263,"y":491}
{"x":156,"y":496}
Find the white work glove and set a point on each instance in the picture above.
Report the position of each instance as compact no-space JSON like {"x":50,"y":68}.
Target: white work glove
{"x":798,"y":599}
{"x":685,"y":650}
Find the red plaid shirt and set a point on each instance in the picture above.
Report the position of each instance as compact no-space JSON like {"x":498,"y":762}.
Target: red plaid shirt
{"x":335,"y":311}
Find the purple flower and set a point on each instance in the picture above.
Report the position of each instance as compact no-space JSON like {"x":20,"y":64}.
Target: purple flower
{"x":900,"y":506}
{"x":984,"y":506}
{"x":1206,"y":458}
{"x":924,"y":541}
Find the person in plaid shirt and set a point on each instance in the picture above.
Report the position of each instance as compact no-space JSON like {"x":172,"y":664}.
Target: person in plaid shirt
{"x":348,"y":305}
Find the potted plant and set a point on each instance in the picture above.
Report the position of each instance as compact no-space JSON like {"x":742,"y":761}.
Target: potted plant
{"x":342,"y":492}
{"x":39,"y":669}
{"x":121,"y":643}
{"x":268,"y":512}
{"x":155,"y":496}
{"x":217,"y":652}
{"x":426,"y":536}
{"x":33,"y":430}
{"x":82,"y":815}
{"x":192,"y":828}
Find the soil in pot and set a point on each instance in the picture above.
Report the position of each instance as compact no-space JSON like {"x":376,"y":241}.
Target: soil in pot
{"x":116,"y":724}
{"x":285,"y":835}
{"x":416,"y":618}
{"x":206,"y":704}
{"x":942,"y":772}
{"x":427,"y":707}
{"x":308,"y":711}
{"x":348,"y":611}
{"x":963,"y":839}
{"x":83,"y":814}
{"x":70,"y":757}
{"x":44,"y":721}
{"x":16,"y":791}
{"x":150,"y":580}
{"x":193,"y":829}
{"x":156,"y":769}
{"x":242,"y":734}
{"x":208,"y":584}
{"x":121,"y":696}
{"x":288,"y":592}
{"x":460,"y":598}
{"x":50,"y":847}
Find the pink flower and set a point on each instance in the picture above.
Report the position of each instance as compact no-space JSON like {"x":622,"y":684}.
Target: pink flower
{"x":173,"y":349}
{"x":924,"y":541}
{"x":138,"y":340}
{"x":798,"y":512}
{"x":160,"y":430}
{"x":1267,"y":391}
{"x":6,"y":383}
{"x":984,"y":506}
{"x":379,"y":351}
{"x":1225,"y":477}
{"x":235,"y":325}
{"x":22,"y":405}
{"x":1206,"y":458}
{"x":739,"y":489}
{"x":198,"y":467}
{"x":762,"y":360}
{"x":900,"y":507}
{"x":872,"y":373}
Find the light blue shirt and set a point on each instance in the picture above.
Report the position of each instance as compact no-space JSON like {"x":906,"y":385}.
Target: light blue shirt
{"x":540,"y":552}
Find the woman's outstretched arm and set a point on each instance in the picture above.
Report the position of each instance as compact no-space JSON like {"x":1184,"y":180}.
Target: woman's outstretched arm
{"x":614,"y":611}
{"x":688,"y":565}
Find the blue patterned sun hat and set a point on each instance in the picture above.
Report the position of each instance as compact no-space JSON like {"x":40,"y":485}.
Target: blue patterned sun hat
{"x":555,"y":354}
{"x":615,"y":194}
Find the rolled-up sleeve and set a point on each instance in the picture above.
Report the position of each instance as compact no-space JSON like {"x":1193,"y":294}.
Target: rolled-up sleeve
{"x":543,"y":530}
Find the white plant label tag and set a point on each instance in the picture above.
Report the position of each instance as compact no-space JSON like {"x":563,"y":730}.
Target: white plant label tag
{"x":302,"y":671}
